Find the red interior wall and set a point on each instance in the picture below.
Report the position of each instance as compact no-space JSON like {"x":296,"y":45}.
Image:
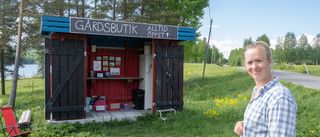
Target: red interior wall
{"x":115,"y":89}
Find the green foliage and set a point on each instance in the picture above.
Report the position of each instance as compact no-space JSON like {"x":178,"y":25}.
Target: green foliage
{"x":289,"y":50}
{"x":247,"y":42}
{"x":30,"y":57}
{"x":148,"y":118}
{"x":188,"y":50}
{"x":283,"y":66}
{"x":307,"y":123}
{"x":211,"y":108}
{"x":195,"y":52}
{"x":313,"y":69}
{"x":8,"y":25}
{"x":316,"y":49}
{"x":184,"y":13}
{"x":236,"y":57}
{"x":264,"y":38}
{"x":288,"y":47}
{"x":302,"y":49}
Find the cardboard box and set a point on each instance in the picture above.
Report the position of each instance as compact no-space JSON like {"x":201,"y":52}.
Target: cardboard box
{"x":127,"y":106}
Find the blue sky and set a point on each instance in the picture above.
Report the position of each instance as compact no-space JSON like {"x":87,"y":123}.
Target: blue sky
{"x":236,"y":20}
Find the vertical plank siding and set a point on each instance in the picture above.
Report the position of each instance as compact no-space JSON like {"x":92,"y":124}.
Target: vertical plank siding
{"x":55,"y":75}
{"x":65,"y":96}
{"x":164,"y":87}
{"x":180,"y":74}
{"x":72,"y":82}
{"x":116,"y":90}
{"x":170,"y":66}
{"x":158,"y":78}
{"x":63,"y":69}
{"x":47,"y":75}
{"x":169,"y":79}
{"x":80,"y":94}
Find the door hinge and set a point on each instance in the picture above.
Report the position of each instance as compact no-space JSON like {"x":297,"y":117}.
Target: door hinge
{"x":50,"y":69}
{"x":84,"y":108}
{"x":85,"y":53}
{"x":154,"y":55}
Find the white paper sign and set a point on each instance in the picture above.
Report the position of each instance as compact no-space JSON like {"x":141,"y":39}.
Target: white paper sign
{"x":114,"y":71}
{"x":96,"y":65}
{"x":100,"y":108}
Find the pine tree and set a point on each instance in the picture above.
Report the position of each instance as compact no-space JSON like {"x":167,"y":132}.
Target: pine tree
{"x":8,"y":16}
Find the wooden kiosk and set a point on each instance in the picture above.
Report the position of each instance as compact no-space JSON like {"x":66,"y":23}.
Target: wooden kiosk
{"x":85,"y":57}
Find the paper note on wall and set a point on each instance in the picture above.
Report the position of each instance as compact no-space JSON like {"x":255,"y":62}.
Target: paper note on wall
{"x":114,"y":71}
{"x":96,"y":65}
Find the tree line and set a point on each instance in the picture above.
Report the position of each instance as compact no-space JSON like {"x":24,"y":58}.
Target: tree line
{"x":184,"y":13}
{"x":196,"y":53}
{"x":288,"y":50}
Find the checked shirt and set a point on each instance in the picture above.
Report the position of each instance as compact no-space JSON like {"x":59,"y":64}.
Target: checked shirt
{"x":272,"y":113}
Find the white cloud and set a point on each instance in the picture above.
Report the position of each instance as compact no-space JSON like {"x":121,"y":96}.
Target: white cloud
{"x":273,"y":43}
{"x":309,"y":37}
{"x":214,"y":26}
{"x":225,"y":46}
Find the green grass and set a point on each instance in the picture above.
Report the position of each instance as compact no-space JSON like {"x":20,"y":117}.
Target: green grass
{"x":313,"y":69}
{"x":212,"y":106}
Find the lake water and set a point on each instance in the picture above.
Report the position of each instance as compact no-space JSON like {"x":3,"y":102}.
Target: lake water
{"x":28,"y":70}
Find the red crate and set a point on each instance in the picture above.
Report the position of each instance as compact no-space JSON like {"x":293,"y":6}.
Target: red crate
{"x":113,"y":105}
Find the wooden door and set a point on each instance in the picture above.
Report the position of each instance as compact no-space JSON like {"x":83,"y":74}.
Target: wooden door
{"x":168,"y":75}
{"x":64,"y":79}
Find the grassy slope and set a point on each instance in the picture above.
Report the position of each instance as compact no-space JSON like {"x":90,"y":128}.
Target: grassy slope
{"x":212,"y":106}
{"x":313,"y":69}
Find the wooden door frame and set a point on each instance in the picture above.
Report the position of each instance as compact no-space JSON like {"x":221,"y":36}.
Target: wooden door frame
{"x":62,"y":37}
{"x":154,"y":60}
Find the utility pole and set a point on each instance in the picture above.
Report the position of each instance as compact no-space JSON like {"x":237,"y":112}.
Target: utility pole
{"x":211,"y":56}
{"x":17,"y":60}
{"x":205,"y":61}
